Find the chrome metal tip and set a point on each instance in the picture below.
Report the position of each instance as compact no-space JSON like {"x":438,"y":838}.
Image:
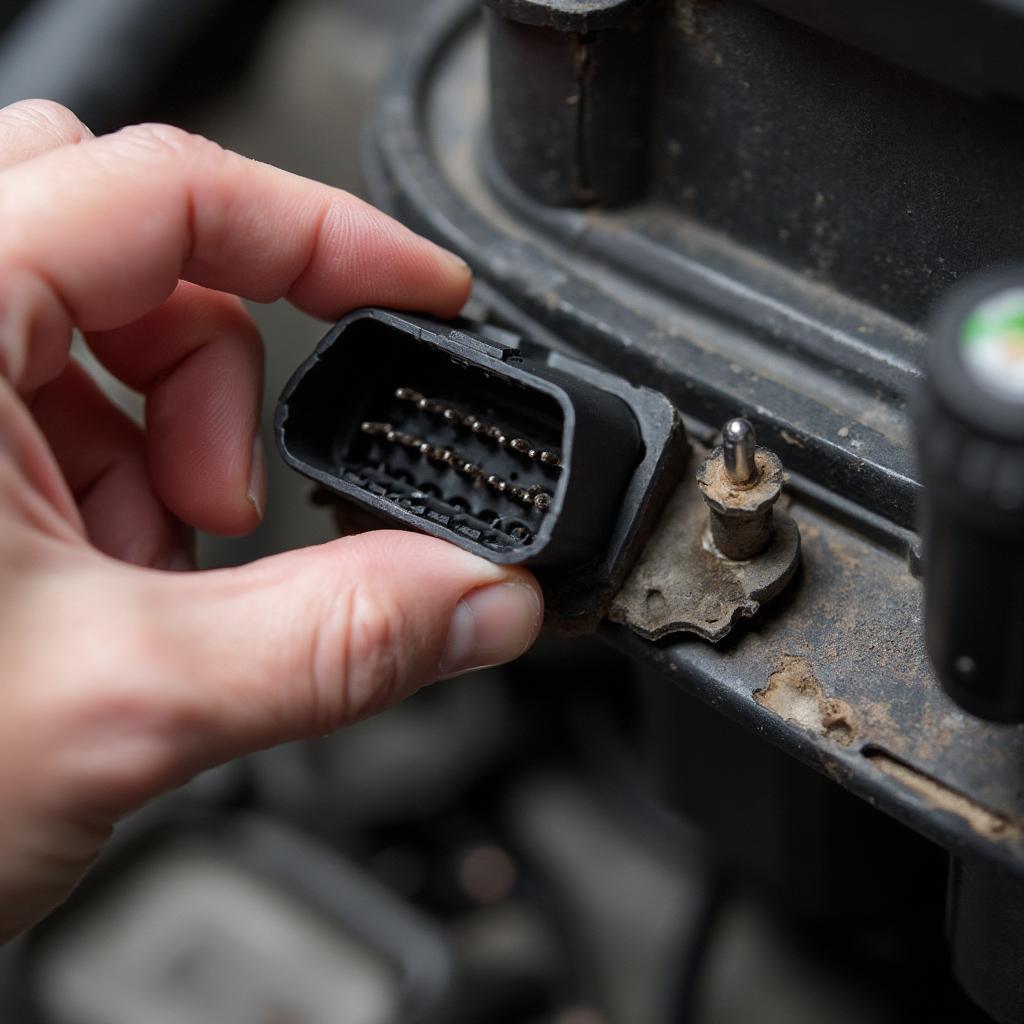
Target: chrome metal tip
{"x":738,"y":446}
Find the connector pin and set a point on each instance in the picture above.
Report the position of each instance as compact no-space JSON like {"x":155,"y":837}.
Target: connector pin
{"x":533,"y":496}
{"x":470,"y":421}
{"x":738,"y":447}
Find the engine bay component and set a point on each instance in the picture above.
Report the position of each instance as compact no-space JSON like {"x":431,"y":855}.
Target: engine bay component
{"x":778,"y":254}
{"x":469,"y":433}
{"x":970,"y":428}
{"x":714,"y":561}
{"x":740,"y":483}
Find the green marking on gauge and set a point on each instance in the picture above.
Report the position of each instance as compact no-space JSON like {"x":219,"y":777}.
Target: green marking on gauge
{"x":992,"y":344}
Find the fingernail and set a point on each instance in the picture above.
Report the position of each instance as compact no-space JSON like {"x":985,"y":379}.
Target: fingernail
{"x":452,"y":258}
{"x":490,"y":626}
{"x":257,"y":492}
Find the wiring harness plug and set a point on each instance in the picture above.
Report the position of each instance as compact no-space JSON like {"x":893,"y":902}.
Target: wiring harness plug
{"x":513,"y":451}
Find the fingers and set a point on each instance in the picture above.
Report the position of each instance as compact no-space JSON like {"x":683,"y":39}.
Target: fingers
{"x":28,"y":129}
{"x":46,"y":506}
{"x":175,"y":672}
{"x":199,"y":361}
{"x":107,"y":228}
{"x":102,"y":455}
{"x":33,"y":127}
{"x":303,"y":643}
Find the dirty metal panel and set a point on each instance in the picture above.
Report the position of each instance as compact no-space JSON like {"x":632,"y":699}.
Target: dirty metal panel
{"x":835,"y":671}
{"x":680,"y":583}
{"x":655,"y":296}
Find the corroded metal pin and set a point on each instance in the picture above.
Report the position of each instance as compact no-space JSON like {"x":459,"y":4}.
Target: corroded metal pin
{"x":535,"y":496}
{"x":472,"y":422}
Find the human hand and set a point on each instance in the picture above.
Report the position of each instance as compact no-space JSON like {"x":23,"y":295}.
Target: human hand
{"x":119,"y":679}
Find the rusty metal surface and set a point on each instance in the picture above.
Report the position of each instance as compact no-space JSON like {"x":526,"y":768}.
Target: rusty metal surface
{"x":682,"y":584}
{"x":741,"y":514}
{"x":835,"y":671}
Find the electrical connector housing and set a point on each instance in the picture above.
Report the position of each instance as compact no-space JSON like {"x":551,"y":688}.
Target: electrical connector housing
{"x":513,"y":451}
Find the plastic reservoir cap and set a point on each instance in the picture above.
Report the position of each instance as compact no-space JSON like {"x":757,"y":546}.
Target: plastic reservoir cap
{"x":992,"y":345}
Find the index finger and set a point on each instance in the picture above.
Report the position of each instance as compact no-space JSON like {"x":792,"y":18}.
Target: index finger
{"x":99,"y":234}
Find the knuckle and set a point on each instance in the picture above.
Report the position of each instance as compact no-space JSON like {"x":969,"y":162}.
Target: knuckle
{"x":165,"y":142}
{"x":374,"y":651}
{"x":49,"y":118}
{"x":358,"y":664}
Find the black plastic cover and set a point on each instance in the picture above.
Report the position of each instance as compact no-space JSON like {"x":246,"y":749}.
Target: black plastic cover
{"x":971,"y":452}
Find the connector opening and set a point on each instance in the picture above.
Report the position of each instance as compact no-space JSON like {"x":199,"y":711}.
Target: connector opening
{"x":475,"y":451}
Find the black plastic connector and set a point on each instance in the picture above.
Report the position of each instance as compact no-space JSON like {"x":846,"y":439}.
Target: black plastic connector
{"x":466,"y":432}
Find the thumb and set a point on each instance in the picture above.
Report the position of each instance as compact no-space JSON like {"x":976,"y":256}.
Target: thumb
{"x":302,"y":643}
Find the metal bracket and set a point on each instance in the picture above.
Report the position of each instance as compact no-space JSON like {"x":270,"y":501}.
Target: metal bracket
{"x":683,"y":584}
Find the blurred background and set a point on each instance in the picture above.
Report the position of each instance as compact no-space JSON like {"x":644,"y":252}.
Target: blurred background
{"x":498,"y":848}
